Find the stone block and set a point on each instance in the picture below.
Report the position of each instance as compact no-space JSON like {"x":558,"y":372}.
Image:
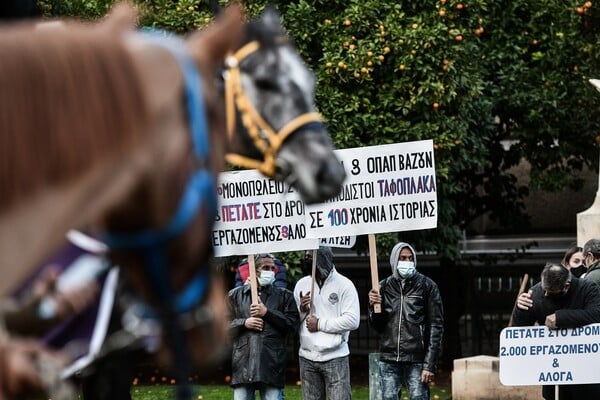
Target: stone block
{"x":476,"y":378}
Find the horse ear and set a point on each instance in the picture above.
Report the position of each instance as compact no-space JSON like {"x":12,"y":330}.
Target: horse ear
{"x":209,"y":46}
{"x":271,"y":19}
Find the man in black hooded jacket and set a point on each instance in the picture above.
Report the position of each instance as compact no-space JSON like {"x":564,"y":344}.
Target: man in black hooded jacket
{"x":410,"y":327}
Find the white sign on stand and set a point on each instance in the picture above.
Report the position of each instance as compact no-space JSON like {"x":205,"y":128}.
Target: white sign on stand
{"x":258,"y":215}
{"x":536,"y":355}
{"x":389,"y":188}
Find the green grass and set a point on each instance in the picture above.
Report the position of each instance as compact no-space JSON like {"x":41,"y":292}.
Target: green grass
{"x":222,"y":392}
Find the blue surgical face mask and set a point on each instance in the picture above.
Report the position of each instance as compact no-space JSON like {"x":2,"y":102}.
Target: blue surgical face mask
{"x":406,"y":269}
{"x":266,"y":278}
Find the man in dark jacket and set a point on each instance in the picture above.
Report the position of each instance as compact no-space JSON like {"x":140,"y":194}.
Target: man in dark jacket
{"x":259,"y":332}
{"x":560,"y":300}
{"x":410,"y":327}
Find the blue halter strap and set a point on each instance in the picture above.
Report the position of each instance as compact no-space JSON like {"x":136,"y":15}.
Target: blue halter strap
{"x":200,"y":191}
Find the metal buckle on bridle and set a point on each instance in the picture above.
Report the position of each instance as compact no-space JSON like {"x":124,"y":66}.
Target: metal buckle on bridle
{"x":265,"y":138}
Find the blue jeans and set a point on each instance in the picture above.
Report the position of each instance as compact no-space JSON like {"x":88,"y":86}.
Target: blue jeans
{"x":396,"y":375}
{"x":325,"y":380}
{"x":267,"y":392}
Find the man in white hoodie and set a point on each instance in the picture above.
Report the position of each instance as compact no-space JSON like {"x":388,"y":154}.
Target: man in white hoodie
{"x":324,"y":365}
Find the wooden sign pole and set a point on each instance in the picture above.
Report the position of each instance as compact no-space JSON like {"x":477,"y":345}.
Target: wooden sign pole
{"x":253,"y":283}
{"x":374,"y":273}
{"x":312,"y":282}
{"x":521,"y":290}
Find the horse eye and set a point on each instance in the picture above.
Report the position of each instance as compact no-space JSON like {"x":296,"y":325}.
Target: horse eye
{"x":265,"y":84}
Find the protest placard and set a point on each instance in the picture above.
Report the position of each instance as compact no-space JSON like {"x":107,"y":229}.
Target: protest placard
{"x":258,"y":215}
{"x":389,"y":188}
{"x":536,"y":355}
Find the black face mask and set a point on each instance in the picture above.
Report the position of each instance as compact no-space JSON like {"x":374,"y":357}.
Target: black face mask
{"x":578,"y":271}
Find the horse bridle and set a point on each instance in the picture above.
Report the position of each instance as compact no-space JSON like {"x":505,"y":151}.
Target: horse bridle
{"x":265,"y":138}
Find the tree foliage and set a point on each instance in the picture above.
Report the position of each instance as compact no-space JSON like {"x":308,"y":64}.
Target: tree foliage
{"x":492,"y":82}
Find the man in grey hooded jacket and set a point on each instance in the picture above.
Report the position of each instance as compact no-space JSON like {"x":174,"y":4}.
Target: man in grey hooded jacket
{"x":410,"y":326}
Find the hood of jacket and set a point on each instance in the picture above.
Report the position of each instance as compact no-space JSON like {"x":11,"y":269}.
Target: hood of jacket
{"x":395,"y":253}
{"x":324,"y":262}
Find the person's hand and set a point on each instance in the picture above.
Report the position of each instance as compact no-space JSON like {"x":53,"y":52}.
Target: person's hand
{"x":551,"y":321}
{"x":254,"y":323}
{"x":305,"y":302}
{"x":374,"y":297}
{"x":427,"y":376}
{"x":524,"y":301}
{"x":312,"y":323}
{"x":258,"y":310}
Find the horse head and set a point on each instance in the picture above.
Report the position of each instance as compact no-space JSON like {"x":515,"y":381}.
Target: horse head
{"x":269,"y":94}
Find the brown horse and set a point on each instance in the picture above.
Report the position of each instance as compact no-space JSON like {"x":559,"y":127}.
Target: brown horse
{"x":94,"y":134}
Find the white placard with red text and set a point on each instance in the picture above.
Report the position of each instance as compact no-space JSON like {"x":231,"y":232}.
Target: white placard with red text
{"x":258,"y":215}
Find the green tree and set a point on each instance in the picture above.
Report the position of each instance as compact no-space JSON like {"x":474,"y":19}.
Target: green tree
{"x":492,"y":82}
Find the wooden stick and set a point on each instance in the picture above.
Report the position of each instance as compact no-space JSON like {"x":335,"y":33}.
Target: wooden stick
{"x":521,"y":290}
{"x":312,"y":282}
{"x":374,"y":272}
{"x":253,"y":283}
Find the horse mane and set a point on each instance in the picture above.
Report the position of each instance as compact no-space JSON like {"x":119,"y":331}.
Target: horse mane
{"x":71,"y":98}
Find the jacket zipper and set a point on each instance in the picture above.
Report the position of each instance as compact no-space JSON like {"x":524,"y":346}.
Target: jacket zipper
{"x":400,"y":322}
